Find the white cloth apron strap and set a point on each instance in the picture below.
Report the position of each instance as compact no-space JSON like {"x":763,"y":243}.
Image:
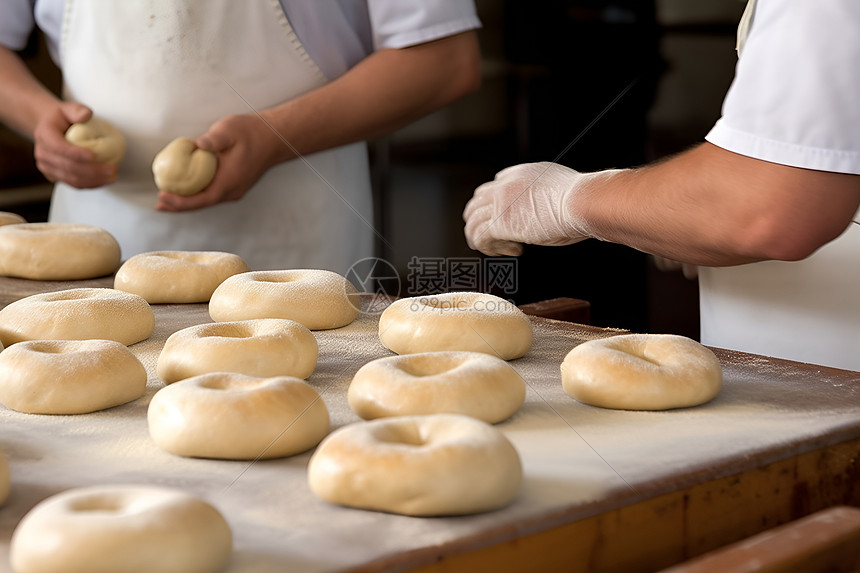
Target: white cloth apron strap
{"x":744,"y":26}
{"x":159,"y":69}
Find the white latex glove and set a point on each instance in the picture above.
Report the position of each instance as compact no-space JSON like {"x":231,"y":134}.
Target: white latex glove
{"x":531,"y":203}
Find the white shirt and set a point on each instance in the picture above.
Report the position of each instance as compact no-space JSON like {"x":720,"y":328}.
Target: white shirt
{"x":795,"y":100}
{"x":337,"y":34}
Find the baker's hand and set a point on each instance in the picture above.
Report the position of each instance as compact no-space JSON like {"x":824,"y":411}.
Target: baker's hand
{"x":244,"y":145}
{"x":533,"y":203}
{"x":59,"y":160}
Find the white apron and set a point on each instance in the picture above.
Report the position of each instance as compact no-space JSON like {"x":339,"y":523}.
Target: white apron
{"x":807,"y":311}
{"x":159,"y":69}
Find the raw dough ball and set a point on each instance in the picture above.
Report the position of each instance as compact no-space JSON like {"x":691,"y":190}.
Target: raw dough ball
{"x":236,"y":417}
{"x":444,"y":464}
{"x":177,"y":276}
{"x":263,"y":347}
{"x":7,"y":218}
{"x":133,"y":529}
{"x":4,"y":479}
{"x":77,"y":314}
{"x":641,"y":372}
{"x":183,"y":168}
{"x":57,"y":251}
{"x":69,"y":376}
{"x":318,"y":299}
{"x":100,"y":137}
{"x":469,"y":383}
{"x":470,"y":321}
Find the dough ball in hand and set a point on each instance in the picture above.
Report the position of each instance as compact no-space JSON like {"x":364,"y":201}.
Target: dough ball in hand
{"x":99,"y":136}
{"x":183,"y":168}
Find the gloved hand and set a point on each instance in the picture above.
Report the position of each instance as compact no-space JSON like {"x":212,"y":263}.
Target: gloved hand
{"x":533,"y":203}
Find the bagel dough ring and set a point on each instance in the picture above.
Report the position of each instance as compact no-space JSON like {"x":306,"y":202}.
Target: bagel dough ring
{"x":232,"y":416}
{"x":7,"y":218}
{"x":129,"y":528}
{"x":177,"y":276}
{"x":69,"y":376}
{"x":77,"y":314}
{"x":99,"y":136}
{"x":57,"y":251}
{"x":449,"y":382}
{"x":468,"y":321}
{"x":641,"y":372}
{"x":443,"y":464}
{"x":316,"y":298}
{"x":5,"y":483}
{"x":262,"y":347}
{"x":183,"y":168}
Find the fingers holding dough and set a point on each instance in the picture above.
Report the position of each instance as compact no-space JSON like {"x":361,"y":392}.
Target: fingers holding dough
{"x":183,"y":168}
{"x":99,"y":136}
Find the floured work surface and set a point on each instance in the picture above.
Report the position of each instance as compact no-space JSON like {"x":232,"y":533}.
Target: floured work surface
{"x":578,"y":460}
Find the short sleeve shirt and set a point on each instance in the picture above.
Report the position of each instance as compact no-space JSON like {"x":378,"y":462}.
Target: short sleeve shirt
{"x":795,"y":99}
{"x":337,"y":34}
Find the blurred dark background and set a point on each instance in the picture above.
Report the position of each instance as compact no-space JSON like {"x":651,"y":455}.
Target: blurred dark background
{"x":551,"y":72}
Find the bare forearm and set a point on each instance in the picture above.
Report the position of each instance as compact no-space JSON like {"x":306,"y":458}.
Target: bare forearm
{"x":712,"y":207}
{"x":386,"y":91}
{"x":23,"y":99}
